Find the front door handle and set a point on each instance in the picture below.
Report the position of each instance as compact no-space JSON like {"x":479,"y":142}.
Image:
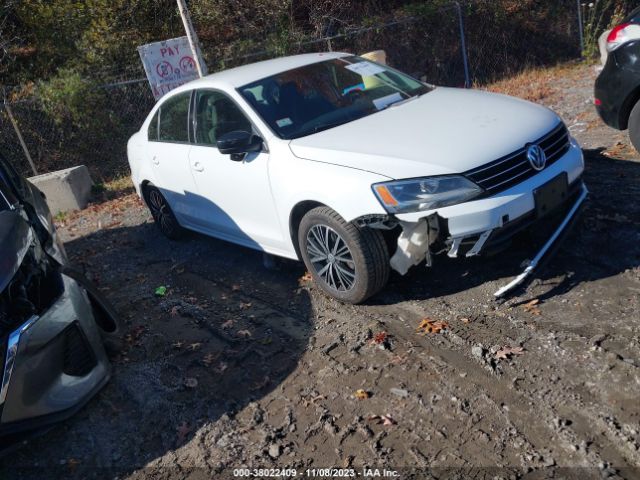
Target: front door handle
{"x":197,"y":166}
{"x":155,"y":160}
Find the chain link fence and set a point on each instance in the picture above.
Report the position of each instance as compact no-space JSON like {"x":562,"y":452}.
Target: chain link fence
{"x":461,"y":44}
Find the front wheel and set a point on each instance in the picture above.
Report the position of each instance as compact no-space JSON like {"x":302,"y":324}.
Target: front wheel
{"x":347,"y":262}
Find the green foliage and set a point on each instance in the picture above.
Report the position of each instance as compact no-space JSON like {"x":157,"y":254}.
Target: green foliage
{"x":67,"y":97}
{"x":599,"y":16}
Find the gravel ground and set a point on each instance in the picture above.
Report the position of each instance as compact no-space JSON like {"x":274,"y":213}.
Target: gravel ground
{"x":241,"y":366}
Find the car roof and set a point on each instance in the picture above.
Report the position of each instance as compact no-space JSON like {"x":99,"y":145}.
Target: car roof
{"x":239,"y":76}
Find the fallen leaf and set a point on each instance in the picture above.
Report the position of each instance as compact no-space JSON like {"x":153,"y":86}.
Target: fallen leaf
{"x":222,"y":366}
{"x":179,"y":344}
{"x":531,"y":307}
{"x":245,"y":305}
{"x":191,"y":382}
{"x":305,"y":278}
{"x":399,"y":359}
{"x":385,"y":420}
{"x":506,"y":352}
{"x":182,"y":431}
{"x":261,"y":384}
{"x":431,"y":326}
{"x":208,"y":359}
{"x":244,"y":333}
{"x":235,"y":288}
{"x":73,"y":463}
{"x":362,"y":394}
{"x":161,"y":291}
{"x":379,"y":338}
{"x":194,"y":346}
{"x":228,"y":324}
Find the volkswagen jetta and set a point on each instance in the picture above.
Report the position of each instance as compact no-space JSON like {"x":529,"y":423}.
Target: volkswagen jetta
{"x":353,"y":167}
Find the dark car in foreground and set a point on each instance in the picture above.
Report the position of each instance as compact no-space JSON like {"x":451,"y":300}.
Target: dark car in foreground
{"x":617,"y":89}
{"x":53,"y":322}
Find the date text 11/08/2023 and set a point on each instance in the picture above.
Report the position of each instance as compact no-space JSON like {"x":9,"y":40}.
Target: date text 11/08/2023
{"x":315,"y":473}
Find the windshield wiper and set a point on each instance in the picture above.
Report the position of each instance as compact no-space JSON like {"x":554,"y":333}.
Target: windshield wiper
{"x":400,"y":102}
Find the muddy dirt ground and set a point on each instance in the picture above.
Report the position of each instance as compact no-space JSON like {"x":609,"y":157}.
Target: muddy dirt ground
{"x":241,"y":366}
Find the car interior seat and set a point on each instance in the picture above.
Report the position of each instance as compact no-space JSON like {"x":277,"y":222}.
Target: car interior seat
{"x":229,"y":118}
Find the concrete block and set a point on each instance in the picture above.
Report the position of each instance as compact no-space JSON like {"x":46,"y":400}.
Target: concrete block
{"x":68,"y":189}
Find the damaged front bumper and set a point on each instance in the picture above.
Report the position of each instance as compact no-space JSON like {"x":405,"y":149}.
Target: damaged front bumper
{"x":487,"y":225}
{"x":52,"y":364}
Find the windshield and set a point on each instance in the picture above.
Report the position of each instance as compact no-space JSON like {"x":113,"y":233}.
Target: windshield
{"x":323,"y":95}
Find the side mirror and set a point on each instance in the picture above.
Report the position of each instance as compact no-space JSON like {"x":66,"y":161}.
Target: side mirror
{"x":238,"y":142}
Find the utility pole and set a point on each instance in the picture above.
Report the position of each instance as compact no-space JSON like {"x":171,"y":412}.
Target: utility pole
{"x":23,"y":144}
{"x":580,"y":27}
{"x":192,"y":37}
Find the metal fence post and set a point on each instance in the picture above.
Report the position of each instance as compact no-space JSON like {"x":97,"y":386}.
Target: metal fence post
{"x":580,"y":27}
{"x":463,"y":46}
{"x":19,"y":135}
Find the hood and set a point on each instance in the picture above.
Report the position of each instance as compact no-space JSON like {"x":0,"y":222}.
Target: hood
{"x":445,"y":131}
{"x":16,"y":237}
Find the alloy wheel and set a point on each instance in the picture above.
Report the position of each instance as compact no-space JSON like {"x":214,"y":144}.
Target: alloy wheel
{"x":161,"y":212}
{"x":331,"y":258}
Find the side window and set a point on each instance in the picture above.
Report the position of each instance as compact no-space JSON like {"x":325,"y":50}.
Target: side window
{"x":217,"y":114}
{"x":152,"y":132}
{"x":174,"y":119}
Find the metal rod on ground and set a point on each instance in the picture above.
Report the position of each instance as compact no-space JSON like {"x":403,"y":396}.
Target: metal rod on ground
{"x":463,"y":46}
{"x":193,"y":38}
{"x":580,"y":27}
{"x":19,"y":135}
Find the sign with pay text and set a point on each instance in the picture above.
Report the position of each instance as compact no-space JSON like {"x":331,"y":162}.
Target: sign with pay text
{"x":168,"y":64}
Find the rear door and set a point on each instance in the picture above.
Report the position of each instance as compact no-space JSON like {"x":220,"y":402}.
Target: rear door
{"x":168,"y":151}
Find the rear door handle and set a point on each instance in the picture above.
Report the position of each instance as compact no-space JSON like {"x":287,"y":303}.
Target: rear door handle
{"x":155,"y":160}
{"x":197,"y":166}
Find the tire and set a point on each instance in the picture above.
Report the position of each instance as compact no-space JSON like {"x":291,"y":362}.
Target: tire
{"x":634,"y":126}
{"x":106,"y":318}
{"x":354,"y":267}
{"x":162,"y":214}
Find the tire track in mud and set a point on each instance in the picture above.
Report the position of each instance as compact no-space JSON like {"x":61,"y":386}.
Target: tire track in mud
{"x":504,"y":389}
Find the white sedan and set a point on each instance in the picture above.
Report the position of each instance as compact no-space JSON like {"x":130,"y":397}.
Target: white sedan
{"x":352,"y":166}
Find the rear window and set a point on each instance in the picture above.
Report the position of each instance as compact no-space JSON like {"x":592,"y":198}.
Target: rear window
{"x":152,"y":132}
{"x":174,"y":119}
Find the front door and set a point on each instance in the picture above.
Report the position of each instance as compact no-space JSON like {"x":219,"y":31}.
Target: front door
{"x":236,"y":201}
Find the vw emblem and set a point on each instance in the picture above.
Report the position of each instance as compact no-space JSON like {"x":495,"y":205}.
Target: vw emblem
{"x":536,"y":156}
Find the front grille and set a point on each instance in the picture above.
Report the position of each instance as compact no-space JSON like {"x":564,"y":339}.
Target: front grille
{"x":514,"y":168}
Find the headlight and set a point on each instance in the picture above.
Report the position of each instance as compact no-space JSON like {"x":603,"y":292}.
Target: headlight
{"x":420,"y":194}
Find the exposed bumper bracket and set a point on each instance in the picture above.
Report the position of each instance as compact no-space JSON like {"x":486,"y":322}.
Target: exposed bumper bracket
{"x":534,"y":263}
{"x":455,"y":246}
{"x":479,"y":244}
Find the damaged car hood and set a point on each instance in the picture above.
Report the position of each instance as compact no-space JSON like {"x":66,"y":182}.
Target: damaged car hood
{"x":446,"y":131}
{"x":16,"y":237}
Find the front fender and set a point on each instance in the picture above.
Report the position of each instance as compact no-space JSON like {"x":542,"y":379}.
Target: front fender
{"x":345,"y":190}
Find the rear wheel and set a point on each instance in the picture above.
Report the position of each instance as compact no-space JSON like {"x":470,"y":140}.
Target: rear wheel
{"x":347,"y":262}
{"x":162,"y":213}
{"x":634,"y":126}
